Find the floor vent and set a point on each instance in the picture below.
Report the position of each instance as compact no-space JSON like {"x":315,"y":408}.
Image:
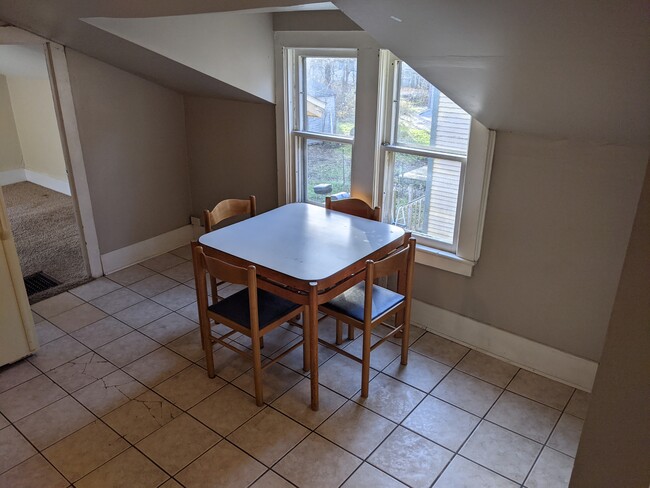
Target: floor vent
{"x":38,"y":282}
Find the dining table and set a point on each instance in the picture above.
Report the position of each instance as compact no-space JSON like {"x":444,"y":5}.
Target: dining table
{"x":306,"y":254}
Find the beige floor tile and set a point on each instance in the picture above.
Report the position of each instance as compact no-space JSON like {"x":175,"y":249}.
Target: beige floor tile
{"x":188,"y":387}
{"x":367,"y":476}
{"x":424,"y":462}
{"x":414,"y":334}
{"x":228,"y":364}
{"x":47,"y":332}
{"x":442,"y":423}
{"x":225,"y":410}
{"x":96,"y":288}
{"x":552,"y":470}
{"x":57,"y":352}
{"x":138,"y":418}
{"x":276,"y":380}
{"x":469,"y":393}
{"x":541,"y":389}
{"x":579,"y":404}
{"x":178,"y":443}
{"x":109,"y":392}
{"x":462,"y":473}
{"x":188,"y":346}
{"x":318,"y":463}
{"x":181,"y":272}
{"x":153,"y":285}
{"x":420,"y":372}
{"x":566,"y":436}
{"x":524,"y":416}
{"x":163,"y":262}
{"x":37,"y":318}
{"x":380,"y":357}
{"x":294,"y":360}
{"x":343,"y":375}
{"x":190,"y":311}
{"x":178,"y":297}
{"x":440,"y":349}
{"x":77,"y":317}
{"x":296,"y":404}
{"x":157,"y":366}
{"x":14,"y":448}
{"x":81,"y":371}
{"x":101,"y":332}
{"x":130,"y":275}
{"x":184,"y":252}
{"x":271,"y":480}
{"x":54,"y":422}
{"x":224,"y":465}
{"x":56,"y":305}
{"x":117,"y":300}
{"x":168,"y":328}
{"x":142,"y":313}
{"x":126,"y":470}
{"x":390,"y":398}
{"x":85,"y":450}
{"x":127,"y":348}
{"x":29,"y":397}
{"x":500,"y":450}
{"x":275,"y":341}
{"x":487,"y":368}
{"x":171,"y":483}
{"x":16,"y":373}
{"x":34,"y":472}
{"x":268,"y":436}
{"x":3,"y":422}
{"x":356,"y":429}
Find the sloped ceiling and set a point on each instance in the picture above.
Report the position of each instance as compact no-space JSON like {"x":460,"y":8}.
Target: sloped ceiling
{"x":577,"y":69}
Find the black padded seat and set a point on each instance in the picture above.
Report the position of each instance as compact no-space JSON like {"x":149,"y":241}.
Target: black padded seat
{"x":351,"y":301}
{"x":236,"y":308}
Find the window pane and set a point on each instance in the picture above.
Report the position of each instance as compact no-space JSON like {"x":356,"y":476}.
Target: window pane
{"x":327,"y":169}
{"x":425,"y":195}
{"x":427,"y":118}
{"x":329,"y":99}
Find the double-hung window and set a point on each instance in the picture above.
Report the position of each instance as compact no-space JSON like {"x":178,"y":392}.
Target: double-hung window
{"x":325,"y":84}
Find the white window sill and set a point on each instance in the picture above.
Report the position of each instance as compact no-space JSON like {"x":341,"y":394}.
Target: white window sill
{"x":444,"y":260}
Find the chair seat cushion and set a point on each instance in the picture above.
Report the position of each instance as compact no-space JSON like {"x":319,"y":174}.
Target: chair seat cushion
{"x":351,"y":301}
{"x":270,"y":308}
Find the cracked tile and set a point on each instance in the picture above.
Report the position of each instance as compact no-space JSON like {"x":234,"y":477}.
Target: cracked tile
{"x":108,"y":393}
{"x":57,"y":352}
{"x":81,"y":372}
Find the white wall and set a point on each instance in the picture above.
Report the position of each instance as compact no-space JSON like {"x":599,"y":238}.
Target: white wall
{"x":37,"y":128}
{"x":11,"y":156}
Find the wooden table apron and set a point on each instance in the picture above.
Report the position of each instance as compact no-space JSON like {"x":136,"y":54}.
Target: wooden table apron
{"x":305,"y":254}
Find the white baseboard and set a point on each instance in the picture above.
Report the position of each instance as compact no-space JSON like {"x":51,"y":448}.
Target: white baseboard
{"x":533,"y":356}
{"x":140,"y":251}
{"x":18,"y":175}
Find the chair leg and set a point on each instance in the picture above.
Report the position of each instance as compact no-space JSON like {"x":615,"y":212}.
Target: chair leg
{"x":261,"y":342}
{"x":339,"y":332}
{"x":406,"y":330}
{"x":257,"y":372}
{"x":365,"y":363}
{"x":350,"y":332}
{"x":209,"y":358}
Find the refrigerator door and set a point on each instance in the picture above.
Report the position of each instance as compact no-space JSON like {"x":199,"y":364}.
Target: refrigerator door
{"x":17,"y":335}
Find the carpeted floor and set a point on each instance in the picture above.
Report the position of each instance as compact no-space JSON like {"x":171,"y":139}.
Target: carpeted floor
{"x":46,"y":235}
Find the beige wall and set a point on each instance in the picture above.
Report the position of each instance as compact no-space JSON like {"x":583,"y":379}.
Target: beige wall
{"x":132,"y":135}
{"x":11,"y":156}
{"x":31,"y":99}
{"x":232,"y":152}
{"x":615,"y":446}
{"x":558,"y":220}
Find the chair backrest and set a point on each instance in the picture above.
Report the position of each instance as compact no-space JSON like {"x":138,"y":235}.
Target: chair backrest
{"x":402,"y":262}
{"x":229,"y":208}
{"x":226,"y":272}
{"x":354,"y":206}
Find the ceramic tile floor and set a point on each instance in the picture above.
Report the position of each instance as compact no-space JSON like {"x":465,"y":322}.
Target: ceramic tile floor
{"x":118,"y":396}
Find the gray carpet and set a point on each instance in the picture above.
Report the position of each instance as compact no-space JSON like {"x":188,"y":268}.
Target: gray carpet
{"x":46,"y":235}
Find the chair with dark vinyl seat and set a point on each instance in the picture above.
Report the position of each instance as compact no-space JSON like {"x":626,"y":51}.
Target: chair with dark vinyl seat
{"x":358,"y":208}
{"x":367,"y":305}
{"x":226,"y":209}
{"x":252,"y":312}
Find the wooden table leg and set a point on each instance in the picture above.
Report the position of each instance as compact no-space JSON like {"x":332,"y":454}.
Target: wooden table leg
{"x":313,"y":342}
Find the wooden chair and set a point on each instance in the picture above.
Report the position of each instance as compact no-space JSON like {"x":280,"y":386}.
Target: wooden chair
{"x":251,"y":312}
{"x":367,"y":305}
{"x":226,"y":209}
{"x":354,"y":206}
{"x":358,"y":208}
